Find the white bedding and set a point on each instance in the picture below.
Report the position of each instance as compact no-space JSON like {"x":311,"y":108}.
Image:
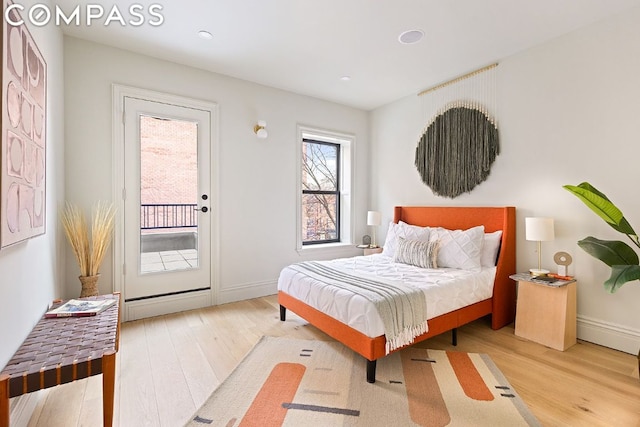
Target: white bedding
{"x":445,"y":289}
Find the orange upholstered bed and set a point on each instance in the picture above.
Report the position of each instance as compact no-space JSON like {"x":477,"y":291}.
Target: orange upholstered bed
{"x":501,"y":306}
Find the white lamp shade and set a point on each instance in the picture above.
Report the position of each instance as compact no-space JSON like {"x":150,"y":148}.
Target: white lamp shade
{"x":539,"y":229}
{"x":373,"y":218}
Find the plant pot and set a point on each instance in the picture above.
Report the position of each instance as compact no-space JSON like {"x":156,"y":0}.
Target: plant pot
{"x":89,"y":286}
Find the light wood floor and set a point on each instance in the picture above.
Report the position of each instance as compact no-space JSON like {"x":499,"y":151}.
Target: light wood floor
{"x":168,"y":366}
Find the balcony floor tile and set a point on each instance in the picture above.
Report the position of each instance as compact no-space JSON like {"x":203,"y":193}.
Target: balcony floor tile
{"x":153,"y":262}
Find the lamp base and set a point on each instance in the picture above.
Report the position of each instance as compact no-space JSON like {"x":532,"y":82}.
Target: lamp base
{"x":538,"y":272}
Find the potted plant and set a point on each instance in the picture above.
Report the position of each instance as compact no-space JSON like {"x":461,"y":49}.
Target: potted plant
{"x":622,"y":258}
{"x":89,"y":245}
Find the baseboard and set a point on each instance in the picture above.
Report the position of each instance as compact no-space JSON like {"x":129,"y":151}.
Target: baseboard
{"x":609,"y":334}
{"x":174,"y":303}
{"x":22,"y":407}
{"x":247,"y":291}
{"x":158,"y":306}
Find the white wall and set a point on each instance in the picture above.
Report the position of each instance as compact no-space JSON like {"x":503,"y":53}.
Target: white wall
{"x":31,"y":271}
{"x":257,"y":177}
{"x":569,"y":112}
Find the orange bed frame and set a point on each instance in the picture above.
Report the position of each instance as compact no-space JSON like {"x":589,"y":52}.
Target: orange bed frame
{"x":501,"y":306}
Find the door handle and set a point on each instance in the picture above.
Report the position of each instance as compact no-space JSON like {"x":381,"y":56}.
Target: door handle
{"x":204,"y":209}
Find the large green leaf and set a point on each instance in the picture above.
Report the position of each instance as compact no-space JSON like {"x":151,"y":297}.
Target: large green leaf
{"x":589,"y":187}
{"x":611,"y":252}
{"x":621,"y":274}
{"x":603,"y":207}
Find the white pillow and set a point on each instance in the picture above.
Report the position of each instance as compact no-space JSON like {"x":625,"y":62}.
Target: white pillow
{"x":459,"y":248}
{"x":402,"y":229}
{"x":490,"y":248}
{"x":391,"y":241}
{"x":415,"y":232}
{"x":417,"y":252}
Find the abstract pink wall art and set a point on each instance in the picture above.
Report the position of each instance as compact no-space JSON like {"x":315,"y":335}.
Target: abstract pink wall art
{"x":13,"y":208}
{"x":24,"y":124}
{"x":14,"y":104}
{"x":15,"y":155}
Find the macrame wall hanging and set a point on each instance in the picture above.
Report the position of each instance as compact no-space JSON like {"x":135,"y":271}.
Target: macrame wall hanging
{"x":460,"y":141}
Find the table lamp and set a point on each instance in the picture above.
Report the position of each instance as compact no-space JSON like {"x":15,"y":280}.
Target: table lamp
{"x":373,"y":219}
{"x":539,"y":230}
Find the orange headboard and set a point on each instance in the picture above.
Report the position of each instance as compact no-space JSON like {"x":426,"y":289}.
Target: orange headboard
{"x":493,"y":219}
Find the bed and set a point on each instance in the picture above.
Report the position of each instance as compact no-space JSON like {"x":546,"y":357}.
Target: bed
{"x":499,"y":302}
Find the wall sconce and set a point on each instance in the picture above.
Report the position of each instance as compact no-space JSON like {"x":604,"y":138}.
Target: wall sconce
{"x":373,"y":219}
{"x":539,"y":230}
{"x":260,"y":130}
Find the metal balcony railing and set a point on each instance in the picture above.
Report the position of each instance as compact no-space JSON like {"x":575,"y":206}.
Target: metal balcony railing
{"x":168,"y":216}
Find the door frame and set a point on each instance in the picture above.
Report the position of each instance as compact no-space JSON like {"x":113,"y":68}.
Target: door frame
{"x":161,"y":305}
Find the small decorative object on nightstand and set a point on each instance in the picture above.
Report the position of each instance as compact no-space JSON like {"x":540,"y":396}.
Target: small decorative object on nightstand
{"x":546,"y":310}
{"x":563,"y":260}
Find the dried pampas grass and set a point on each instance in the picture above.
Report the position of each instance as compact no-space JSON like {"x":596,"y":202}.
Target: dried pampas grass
{"x":89,"y":246}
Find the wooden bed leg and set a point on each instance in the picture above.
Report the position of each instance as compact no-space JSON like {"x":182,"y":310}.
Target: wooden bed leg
{"x":283,"y":313}
{"x":371,"y":371}
{"x":454,"y":336}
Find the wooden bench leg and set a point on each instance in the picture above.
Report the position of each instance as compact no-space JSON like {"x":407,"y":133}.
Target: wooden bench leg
{"x":4,"y":400}
{"x":108,"y":387}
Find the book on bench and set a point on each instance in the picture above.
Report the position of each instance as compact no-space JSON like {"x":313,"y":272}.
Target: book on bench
{"x":80,"y":308}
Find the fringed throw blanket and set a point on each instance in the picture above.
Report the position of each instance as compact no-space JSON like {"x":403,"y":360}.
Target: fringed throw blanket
{"x":403,"y":309}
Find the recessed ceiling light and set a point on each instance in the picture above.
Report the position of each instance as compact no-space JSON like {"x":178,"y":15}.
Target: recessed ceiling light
{"x":411,"y":36}
{"x":205,"y":35}
{"x":345,"y":78}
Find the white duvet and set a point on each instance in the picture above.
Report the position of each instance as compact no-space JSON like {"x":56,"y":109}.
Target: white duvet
{"x":445,"y":289}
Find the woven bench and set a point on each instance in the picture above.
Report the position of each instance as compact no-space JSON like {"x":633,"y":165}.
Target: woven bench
{"x":61,"y":350}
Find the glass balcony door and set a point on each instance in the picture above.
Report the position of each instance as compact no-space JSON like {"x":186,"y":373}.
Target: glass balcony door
{"x":167,"y":241}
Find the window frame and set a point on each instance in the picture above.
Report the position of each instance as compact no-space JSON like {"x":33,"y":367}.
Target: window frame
{"x":335,"y":192}
{"x":346,"y":142}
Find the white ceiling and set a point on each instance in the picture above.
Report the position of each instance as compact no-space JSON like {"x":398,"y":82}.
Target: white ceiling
{"x":305,"y":46}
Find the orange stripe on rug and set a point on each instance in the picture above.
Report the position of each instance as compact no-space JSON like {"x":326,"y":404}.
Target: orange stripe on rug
{"x":427,"y":407}
{"x":266,"y":410}
{"x":468,"y":376}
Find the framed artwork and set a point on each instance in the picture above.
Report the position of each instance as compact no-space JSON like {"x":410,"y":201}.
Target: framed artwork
{"x":23,"y":160}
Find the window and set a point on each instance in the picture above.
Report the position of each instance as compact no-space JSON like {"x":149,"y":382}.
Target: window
{"x":320,"y":192}
{"x":324,"y":188}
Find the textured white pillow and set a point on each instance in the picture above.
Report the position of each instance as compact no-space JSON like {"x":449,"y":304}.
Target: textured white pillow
{"x":459,"y":248}
{"x":490,"y":248}
{"x":391,"y":241}
{"x":407,"y":231}
{"x":417,"y":252}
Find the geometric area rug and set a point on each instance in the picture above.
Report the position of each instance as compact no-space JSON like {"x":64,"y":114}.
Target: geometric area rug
{"x":290,"y":382}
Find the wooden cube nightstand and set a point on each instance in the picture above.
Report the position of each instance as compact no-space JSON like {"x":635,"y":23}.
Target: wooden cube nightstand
{"x":371,"y":251}
{"x":546,"y":313}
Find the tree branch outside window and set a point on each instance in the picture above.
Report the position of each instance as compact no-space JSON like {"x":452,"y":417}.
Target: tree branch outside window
{"x":320,"y":192}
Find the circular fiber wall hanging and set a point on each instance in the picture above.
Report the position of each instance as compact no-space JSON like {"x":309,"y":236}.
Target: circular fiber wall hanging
{"x":456,"y":151}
